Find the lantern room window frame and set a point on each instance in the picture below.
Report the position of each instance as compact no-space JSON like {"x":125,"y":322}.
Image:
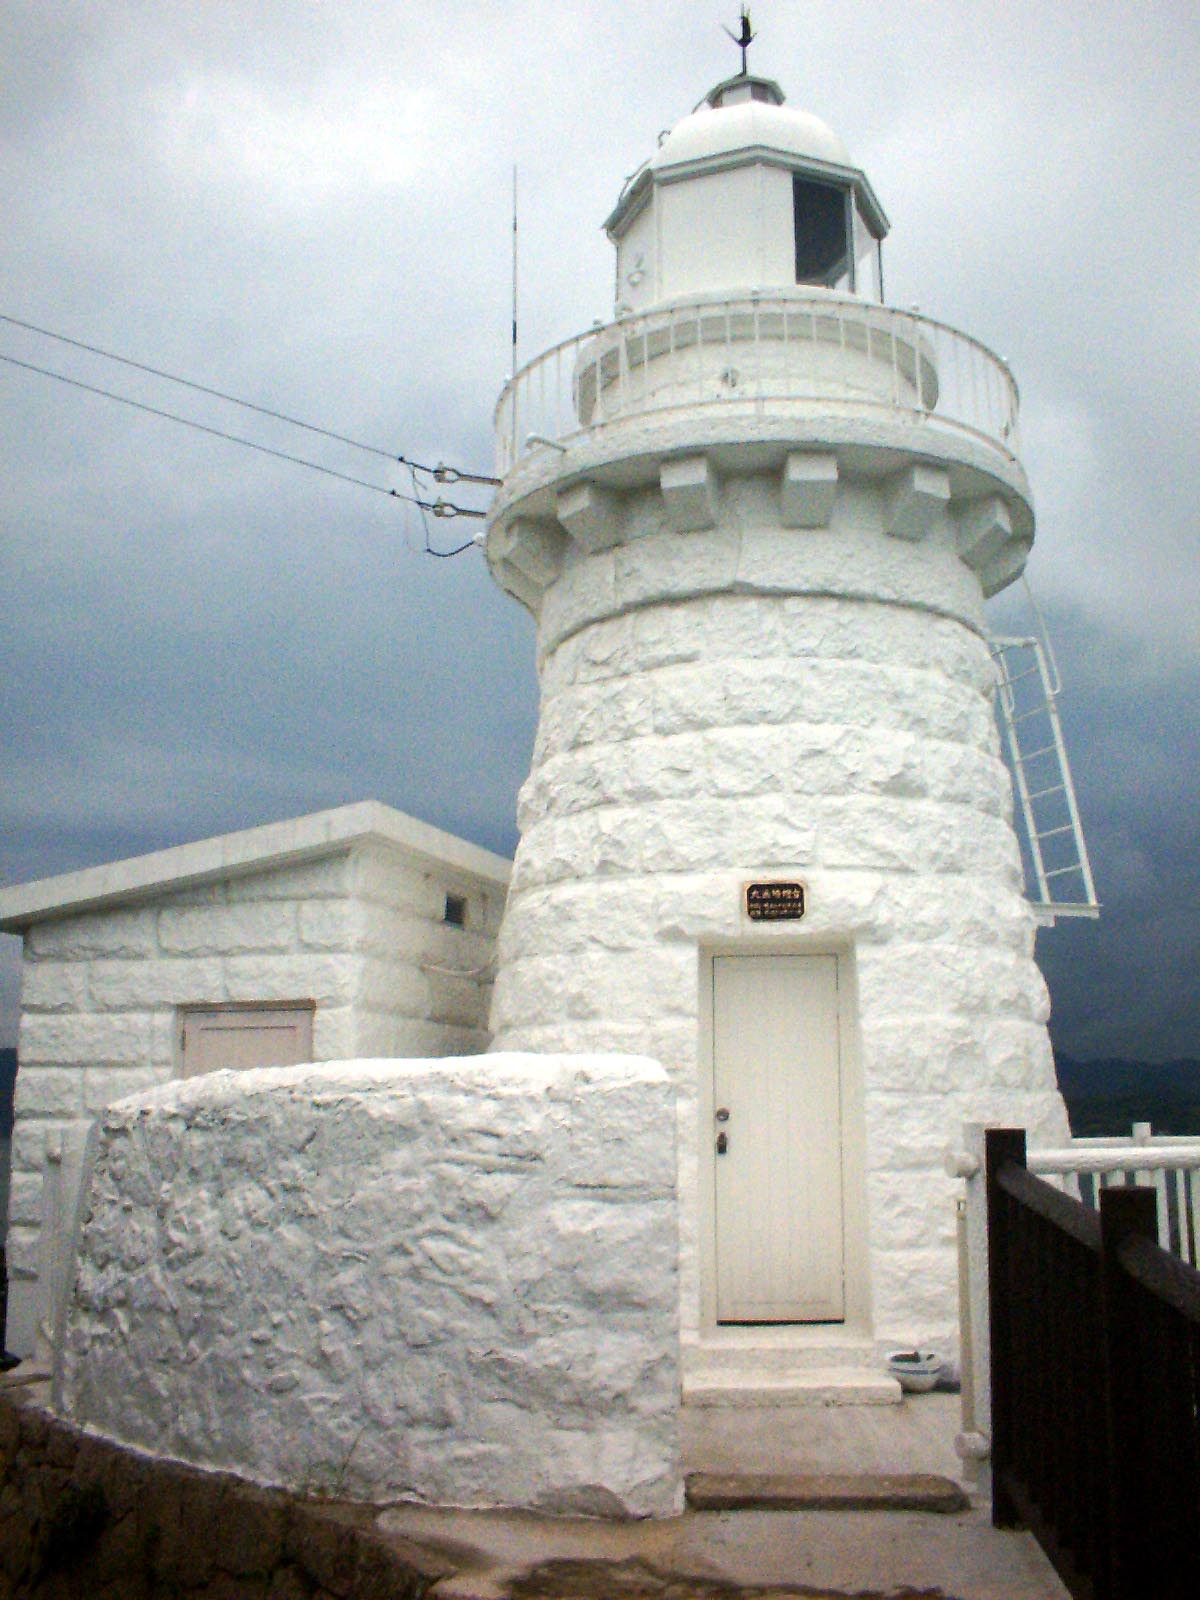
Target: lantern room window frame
{"x":859,"y":267}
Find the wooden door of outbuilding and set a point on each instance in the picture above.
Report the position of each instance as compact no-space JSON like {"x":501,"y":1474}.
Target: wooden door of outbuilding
{"x":241,"y":1036}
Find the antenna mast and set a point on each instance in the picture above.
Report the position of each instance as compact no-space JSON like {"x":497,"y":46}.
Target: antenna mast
{"x":514,"y":274}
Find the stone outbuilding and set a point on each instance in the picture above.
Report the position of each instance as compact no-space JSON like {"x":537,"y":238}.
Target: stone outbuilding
{"x":356,"y":932}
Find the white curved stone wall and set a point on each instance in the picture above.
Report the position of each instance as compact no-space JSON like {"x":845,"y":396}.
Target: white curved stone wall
{"x":761,"y":701}
{"x":451,"y":1280}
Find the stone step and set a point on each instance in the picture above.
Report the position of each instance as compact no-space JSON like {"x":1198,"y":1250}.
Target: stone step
{"x":824,"y":1491}
{"x":769,"y":1357}
{"x":807,"y":1386}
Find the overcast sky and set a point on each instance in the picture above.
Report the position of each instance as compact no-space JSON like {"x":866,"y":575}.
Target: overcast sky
{"x":308,"y":204}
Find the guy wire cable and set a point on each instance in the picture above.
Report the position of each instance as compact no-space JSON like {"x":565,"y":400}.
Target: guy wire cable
{"x":440,"y":508}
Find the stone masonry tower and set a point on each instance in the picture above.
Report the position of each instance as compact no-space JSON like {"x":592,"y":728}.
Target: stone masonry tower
{"x":767,"y":833}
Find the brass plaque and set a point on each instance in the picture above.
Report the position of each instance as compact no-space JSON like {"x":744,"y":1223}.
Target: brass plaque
{"x":774,"y":902}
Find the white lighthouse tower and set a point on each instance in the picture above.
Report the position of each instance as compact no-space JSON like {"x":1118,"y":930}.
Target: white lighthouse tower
{"x":767,"y":834}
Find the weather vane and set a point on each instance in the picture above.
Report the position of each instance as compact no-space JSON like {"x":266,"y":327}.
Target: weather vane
{"x":743,"y":39}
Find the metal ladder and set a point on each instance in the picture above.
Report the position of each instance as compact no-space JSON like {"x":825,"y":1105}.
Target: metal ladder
{"x":1027,"y":690}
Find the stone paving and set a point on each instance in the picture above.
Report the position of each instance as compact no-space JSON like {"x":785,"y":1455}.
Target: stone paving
{"x":320,"y":1551}
{"x":898,"y":1553}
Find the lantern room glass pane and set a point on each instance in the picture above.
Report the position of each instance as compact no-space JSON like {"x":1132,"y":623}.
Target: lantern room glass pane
{"x":822,"y":220}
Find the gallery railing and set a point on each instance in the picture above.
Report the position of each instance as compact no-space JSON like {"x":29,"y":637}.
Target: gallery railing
{"x":802,"y":349}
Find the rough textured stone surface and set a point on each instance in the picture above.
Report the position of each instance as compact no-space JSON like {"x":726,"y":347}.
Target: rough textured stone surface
{"x":361,"y":932}
{"x":755,"y":700}
{"x":80,"y":1517}
{"x":452,"y":1281}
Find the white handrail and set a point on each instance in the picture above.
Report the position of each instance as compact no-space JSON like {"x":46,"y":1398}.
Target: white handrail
{"x":1129,"y":1157}
{"x":805,"y":347}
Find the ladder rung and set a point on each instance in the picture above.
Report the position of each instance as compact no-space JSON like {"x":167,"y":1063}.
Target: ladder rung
{"x":1024,"y":716}
{"x":1029,"y":672}
{"x":1061,"y":872}
{"x":1047,"y":749}
{"x":1056,"y":788}
{"x":1053,"y":833}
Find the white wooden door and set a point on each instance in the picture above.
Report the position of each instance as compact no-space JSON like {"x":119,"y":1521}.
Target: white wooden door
{"x":244,"y":1036}
{"x":777,"y":1073}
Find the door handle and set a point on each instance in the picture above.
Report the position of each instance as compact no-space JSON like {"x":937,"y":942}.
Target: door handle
{"x":722,"y":1142}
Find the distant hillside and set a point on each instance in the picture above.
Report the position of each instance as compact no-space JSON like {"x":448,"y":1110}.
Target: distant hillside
{"x":8,"y":1077}
{"x":1110,"y":1096}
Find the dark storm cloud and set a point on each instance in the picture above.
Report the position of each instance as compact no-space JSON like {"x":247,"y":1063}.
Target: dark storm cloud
{"x":308,"y":205}
{"x":1129,"y":985}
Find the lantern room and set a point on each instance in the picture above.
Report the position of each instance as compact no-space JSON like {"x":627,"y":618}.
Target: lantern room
{"x":746,"y":194}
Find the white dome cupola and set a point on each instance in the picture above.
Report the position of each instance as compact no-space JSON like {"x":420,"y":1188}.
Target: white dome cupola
{"x":746,"y":194}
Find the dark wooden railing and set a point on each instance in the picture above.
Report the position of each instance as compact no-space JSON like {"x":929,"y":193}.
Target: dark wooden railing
{"x":1095,"y":1383}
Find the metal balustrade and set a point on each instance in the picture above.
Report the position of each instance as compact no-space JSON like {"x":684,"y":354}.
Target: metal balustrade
{"x":803,"y":350}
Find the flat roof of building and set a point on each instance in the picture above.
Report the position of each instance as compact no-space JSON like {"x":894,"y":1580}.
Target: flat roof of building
{"x":252,"y":850}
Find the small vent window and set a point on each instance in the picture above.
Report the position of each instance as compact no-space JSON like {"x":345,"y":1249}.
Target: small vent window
{"x":456,"y":910}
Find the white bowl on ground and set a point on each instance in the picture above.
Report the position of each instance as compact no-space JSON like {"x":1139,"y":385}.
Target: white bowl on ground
{"x":917,"y":1370}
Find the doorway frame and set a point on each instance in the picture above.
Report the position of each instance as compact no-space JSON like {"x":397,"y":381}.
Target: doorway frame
{"x":856,"y":1260}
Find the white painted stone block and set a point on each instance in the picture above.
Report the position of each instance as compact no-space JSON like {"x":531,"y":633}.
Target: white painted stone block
{"x":983,"y":528}
{"x":326,"y":977}
{"x":535,"y":549}
{"x":49,"y":1092}
{"x":329,"y":876}
{"x":1008,"y":563}
{"x":334,"y":1032}
{"x":221,"y":930}
{"x":53,"y":985}
{"x":914,"y":1208}
{"x":101,"y":933}
{"x":515,"y":583}
{"x":689,"y":491}
{"x":393,"y":984}
{"x":496,"y":1260}
{"x":916,"y":496}
{"x":591,"y":515}
{"x":24,"y":1199}
{"x":22,"y":1252}
{"x":103,"y":1085}
{"x":915,"y":1296}
{"x":76,"y":1038}
{"x":29,"y":1143}
{"x":126,"y":985}
{"x":327,"y":924}
{"x":807,"y":489}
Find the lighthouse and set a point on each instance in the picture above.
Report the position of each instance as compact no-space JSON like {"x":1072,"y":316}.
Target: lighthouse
{"x":767,"y":835}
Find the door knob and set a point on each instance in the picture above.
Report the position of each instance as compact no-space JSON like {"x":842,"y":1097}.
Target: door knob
{"x":722,"y":1114}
